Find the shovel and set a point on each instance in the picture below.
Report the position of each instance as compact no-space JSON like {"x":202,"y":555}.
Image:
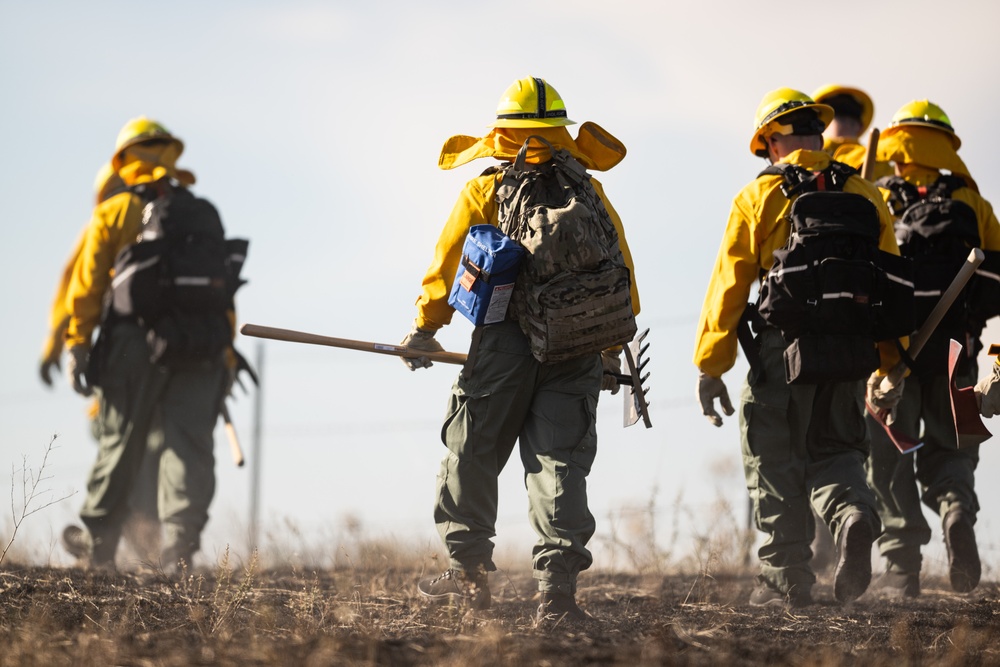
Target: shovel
{"x":635,"y":394}
{"x":904,"y":443}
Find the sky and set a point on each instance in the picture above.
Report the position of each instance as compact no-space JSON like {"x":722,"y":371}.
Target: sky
{"x":315,"y":128}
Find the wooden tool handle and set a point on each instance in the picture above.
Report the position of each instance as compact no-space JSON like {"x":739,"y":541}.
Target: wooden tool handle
{"x":292,"y":336}
{"x":234,"y":441}
{"x":918,"y":339}
{"x":871,"y":155}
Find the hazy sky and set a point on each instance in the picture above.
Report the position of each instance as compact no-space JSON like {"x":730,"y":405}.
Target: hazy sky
{"x":315,"y":128}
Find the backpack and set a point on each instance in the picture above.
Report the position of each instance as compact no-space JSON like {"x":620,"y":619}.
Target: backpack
{"x":571,"y":297}
{"x":179,"y":278}
{"x":937,"y":232}
{"x":831,"y":291}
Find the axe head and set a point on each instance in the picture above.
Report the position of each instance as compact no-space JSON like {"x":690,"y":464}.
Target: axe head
{"x":969,"y":427}
{"x":904,"y":443}
{"x":636,"y":405}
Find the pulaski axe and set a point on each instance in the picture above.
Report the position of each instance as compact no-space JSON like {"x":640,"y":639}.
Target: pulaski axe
{"x":969,"y":427}
{"x":635,"y":394}
{"x":903,"y":442}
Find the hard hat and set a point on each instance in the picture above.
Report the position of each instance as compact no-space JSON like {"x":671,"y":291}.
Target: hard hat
{"x":531,"y":102}
{"x":139,"y":130}
{"x":926,"y":113}
{"x":781,"y":103}
{"x":828,"y":94}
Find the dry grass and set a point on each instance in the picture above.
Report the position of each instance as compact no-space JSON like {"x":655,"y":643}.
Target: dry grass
{"x":366,"y":611}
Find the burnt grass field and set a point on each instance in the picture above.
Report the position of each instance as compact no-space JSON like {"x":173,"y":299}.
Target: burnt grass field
{"x":371,"y":614}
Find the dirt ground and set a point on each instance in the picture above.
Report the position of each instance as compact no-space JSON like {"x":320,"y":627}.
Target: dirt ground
{"x":373,"y":616}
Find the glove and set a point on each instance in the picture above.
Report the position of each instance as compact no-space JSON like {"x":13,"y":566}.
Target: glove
{"x":611,"y":362}
{"x":76,"y":366}
{"x":710,"y":388}
{"x":988,"y":397}
{"x":45,"y":368}
{"x":420,"y":339}
{"x":883,"y":401}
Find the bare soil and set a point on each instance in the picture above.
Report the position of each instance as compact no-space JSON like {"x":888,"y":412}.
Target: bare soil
{"x":374,"y":616}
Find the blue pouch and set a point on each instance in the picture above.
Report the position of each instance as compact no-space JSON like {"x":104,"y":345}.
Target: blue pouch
{"x":485,"y":278}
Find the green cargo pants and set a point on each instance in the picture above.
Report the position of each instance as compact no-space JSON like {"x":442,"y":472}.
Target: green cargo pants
{"x":804,"y":446}
{"x":142,"y":530}
{"x":551,"y":412}
{"x":153,"y":411}
{"x":939,"y":474}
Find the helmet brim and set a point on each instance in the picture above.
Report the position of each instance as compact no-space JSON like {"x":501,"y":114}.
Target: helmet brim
{"x":867,"y":106}
{"x":116,"y":159}
{"x":757,"y":144}
{"x":532,"y":122}
{"x":956,"y":142}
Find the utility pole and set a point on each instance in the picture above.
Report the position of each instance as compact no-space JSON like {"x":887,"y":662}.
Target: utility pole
{"x":257,"y":446}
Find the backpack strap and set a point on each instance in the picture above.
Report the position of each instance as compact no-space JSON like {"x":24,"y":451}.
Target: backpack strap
{"x":945,"y":186}
{"x":798,"y":180}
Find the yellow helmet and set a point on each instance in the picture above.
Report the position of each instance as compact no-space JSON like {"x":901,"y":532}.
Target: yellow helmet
{"x":926,"y":113}
{"x":828,"y":94}
{"x":781,"y":103}
{"x":138,"y":130}
{"x":531,"y":102}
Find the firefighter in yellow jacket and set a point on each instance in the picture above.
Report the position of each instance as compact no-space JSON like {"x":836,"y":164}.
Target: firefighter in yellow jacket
{"x":804,"y":445}
{"x":853,"y":111}
{"x":922,"y":145}
{"x":146,"y":408}
{"x":549,"y":409}
{"x":142,"y":527}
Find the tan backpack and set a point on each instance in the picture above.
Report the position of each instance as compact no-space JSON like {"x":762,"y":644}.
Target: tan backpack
{"x":572,"y":294}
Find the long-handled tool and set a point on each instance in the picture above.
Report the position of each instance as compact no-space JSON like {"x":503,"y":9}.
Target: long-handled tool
{"x":234,"y":441}
{"x":635,"y":394}
{"x":293,"y":336}
{"x":904,"y":443}
{"x":871,"y":155}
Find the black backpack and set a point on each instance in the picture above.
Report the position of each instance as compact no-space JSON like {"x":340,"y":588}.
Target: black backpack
{"x":831,"y":291}
{"x":937,"y":232}
{"x":178,"y":279}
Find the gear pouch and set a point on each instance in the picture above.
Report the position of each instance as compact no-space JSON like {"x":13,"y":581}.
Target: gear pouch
{"x":485,"y":278}
{"x":819,"y":358}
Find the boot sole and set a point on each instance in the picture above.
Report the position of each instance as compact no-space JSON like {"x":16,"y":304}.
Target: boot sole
{"x":854,"y":572}
{"x":964,"y":568}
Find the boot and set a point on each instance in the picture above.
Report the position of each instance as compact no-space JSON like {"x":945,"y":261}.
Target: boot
{"x":560,"y":607}
{"x":176,"y":560}
{"x":458,"y":587}
{"x":765,"y":595}
{"x":964,"y":568}
{"x":854,"y":568}
{"x":78,"y":543}
{"x":900,"y":584}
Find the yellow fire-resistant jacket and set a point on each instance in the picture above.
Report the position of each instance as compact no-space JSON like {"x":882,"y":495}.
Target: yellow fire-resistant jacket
{"x":114,"y":224}
{"x":852,"y":153}
{"x":593,"y":147}
{"x":108,"y":183}
{"x":989,"y":226}
{"x":921,"y":153}
{"x":758,"y":225}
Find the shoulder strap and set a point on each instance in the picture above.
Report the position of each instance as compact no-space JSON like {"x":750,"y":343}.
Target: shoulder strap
{"x":902,"y":195}
{"x":798,"y":180}
{"x":945,"y":186}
